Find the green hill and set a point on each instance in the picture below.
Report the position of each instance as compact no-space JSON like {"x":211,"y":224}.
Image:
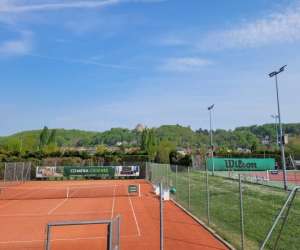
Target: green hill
{"x":29,"y":140}
{"x":244,"y":137}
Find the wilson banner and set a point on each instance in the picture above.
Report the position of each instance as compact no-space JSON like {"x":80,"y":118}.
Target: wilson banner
{"x":240,"y":164}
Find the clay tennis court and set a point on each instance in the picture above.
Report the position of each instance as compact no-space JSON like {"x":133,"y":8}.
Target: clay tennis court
{"x":26,"y":209}
{"x":293,"y":176}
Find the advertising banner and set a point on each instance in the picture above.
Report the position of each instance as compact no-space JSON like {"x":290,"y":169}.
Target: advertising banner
{"x":47,"y":172}
{"x":100,"y":172}
{"x":240,"y":164}
{"x":129,"y":171}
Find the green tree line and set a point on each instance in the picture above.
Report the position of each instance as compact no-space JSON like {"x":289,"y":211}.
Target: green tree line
{"x":156,"y":142}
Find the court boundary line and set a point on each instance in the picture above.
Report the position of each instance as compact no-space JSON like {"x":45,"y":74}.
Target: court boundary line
{"x":57,"y":214}
{"x":62,"y":239}
{"x":57,"y":206}
{"x":113,"y":202}
{"x":134,"y":216}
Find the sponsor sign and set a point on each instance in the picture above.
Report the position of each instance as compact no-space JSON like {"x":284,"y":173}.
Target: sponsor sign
{"x":241,"y":164}
{"x":47,"y":172}
{"x":127,"y":171}
{"x":102,"y":172}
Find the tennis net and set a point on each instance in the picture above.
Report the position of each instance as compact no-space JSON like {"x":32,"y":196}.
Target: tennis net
{"x":37,"y":193}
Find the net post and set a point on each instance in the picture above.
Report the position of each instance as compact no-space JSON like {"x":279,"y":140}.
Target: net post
{"x":110,"y":232}
{"x":119,"y":231}
{"x":139,"y":187}
{"x":48,"y":237}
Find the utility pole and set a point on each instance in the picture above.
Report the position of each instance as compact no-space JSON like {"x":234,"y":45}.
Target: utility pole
{"x":275,"y":73}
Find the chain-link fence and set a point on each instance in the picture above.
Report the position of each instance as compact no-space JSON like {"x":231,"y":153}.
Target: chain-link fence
{"x":241,"y":212}
{"x":2,"y":169}
{"x":16,"y":172}
{"x":273,"y":178}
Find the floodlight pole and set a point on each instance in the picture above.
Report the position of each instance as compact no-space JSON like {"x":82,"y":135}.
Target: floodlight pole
{"x":275,"y":117}
{"x":275,"y":73}
{"x":210,"y":108}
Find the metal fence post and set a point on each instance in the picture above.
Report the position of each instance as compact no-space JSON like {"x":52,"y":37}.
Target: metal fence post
{"x":207,"y":197}
{"x":241,"y":213}
{"x":161,"y":217}
{"x":23,"y":172}
{"x":5,"y":172}
{"x":167,"y":175}
{"x":176,"y":170}
{"x":146,"y":172}
{"x":15,"y":171}
{"x":189,"y":186}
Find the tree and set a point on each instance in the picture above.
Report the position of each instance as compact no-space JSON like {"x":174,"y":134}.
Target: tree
{"x":101,"y":149}
{"x":44,"y":136}
{"x":52,"y":138}
{"x":149,"y":143}
{"x":164,"y":149}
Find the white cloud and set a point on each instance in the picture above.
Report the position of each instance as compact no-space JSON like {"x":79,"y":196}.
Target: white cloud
{"x":31,"y":6}
{"x":184,"y":64}
{"x":17,"y":47}
{"x":93,"y":61}
{"x":44,"y":5}
{"x":277,"y":27}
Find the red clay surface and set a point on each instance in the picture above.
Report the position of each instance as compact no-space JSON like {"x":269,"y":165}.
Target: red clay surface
{"x":292,"y":176}
{"x":23,"y":222}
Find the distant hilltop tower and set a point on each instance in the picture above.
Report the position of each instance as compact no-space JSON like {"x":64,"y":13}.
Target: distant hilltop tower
{"x":140,"y":127}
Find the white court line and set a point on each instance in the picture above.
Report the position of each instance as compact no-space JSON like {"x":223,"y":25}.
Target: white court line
{"x":80,"y":238}
{"x":62,"y":239}
{"x":113,"y":203}
{"x":135,"y":219}
{"x":57,"y":206}
{"x":57,"y":214}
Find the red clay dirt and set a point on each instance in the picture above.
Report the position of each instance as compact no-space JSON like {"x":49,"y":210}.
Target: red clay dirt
{"x":23,"y":222}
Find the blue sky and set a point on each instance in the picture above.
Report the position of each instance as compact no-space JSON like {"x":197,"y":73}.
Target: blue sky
{"x":97,"y":64}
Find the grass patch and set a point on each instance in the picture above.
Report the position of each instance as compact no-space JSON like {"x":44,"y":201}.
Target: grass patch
{"x":261,"y":206}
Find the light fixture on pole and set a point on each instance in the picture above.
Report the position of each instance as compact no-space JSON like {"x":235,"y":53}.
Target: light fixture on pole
{"x":275,"y":73}
{"x":210,"y":108}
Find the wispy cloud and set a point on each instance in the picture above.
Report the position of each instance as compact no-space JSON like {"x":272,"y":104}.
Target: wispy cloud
{"x":17,"y":47}
{"x":183,"y":64}
{"x":29,"y":7}
{"x":82,"y":61}
{"x":44,"y":5}
{"x":278,"y":27}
